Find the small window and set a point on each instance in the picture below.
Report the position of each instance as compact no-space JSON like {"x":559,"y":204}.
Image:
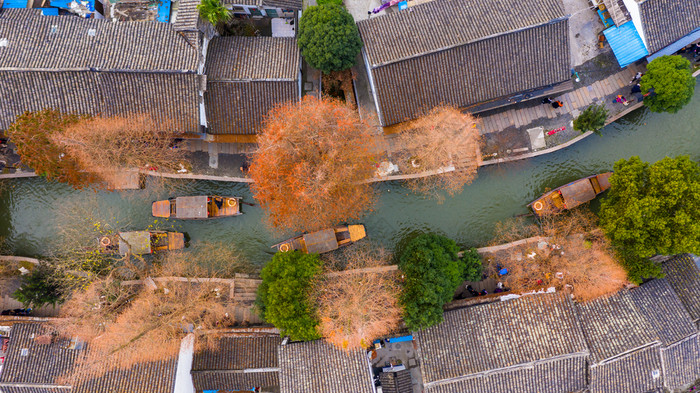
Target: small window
{"x":655,"y":374}
{"x":4,"y":42}
{"x":24,"y":352}
{"x":54,"y":29}
{"x":92,"y":32}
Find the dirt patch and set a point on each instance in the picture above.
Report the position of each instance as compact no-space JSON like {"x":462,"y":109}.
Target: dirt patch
{"x":502,"y":144}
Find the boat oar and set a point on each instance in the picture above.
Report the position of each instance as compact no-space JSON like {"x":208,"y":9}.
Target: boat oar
{"x":247,"y":203}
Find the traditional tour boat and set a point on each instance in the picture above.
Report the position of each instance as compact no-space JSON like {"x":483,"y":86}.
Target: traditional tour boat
{"x":142,"y":242}
{"x":323,"y":241}
{"x":197,"y":207}
{"x":571,"y":195}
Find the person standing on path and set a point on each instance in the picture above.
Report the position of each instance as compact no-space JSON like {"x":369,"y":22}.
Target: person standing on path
{"x":637,"y":77}
{"x":546,"y":101}
{"x":557,"y":104}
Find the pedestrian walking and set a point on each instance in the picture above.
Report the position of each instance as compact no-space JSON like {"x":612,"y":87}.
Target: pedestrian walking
{"x":636,"y":88}
{"x":546,"y":101}
{"x":557,"y":104}
{"x":620,"y":99}
{"x":637,"y":77}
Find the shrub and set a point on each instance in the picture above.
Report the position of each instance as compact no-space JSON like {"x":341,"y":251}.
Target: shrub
{"x":213,"y":11}
{"x":672,"y":82}
{"x":328,"y":38}
{"x":283,"y":295}
{"x":40,"y":287}
{"x":432,"y":271}
{"x":330,"y":2}
{"x":591,"y":119}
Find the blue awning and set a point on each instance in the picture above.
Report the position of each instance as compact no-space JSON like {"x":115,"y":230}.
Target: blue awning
{"x":626,"y":43}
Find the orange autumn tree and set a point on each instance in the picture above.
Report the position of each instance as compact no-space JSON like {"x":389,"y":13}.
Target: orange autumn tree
{"x":444,"y":143}
{"x":84,"y":150}
{"x":32,"y":133}
{"x":357,"y":300}
{"x":311,"y":164}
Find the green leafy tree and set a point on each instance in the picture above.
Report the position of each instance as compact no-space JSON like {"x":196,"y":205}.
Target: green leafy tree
{"x":652,"y":209}
{"x":591,"y":119}
{"x":432,"y":271}
{"x":40,"y":287}
{"x":283,"y":296}
{"x":328,"y":38}
{"x":672,"y":81}
{"x":214,"y":12}
{"x":331,"y":2}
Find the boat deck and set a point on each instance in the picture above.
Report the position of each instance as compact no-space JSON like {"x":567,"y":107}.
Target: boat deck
{"x":229,"y":207}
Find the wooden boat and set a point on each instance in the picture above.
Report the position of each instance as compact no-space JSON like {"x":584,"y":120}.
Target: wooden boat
{"x":323,"y":241}
{"x":142,"y":242}
{"x":197,"y":207}
{"x":571,"y":195}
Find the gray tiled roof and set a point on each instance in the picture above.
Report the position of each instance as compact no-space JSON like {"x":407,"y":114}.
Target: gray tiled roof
{"x":613,"y":326}
{"x":684,"y":276}
{"x":24,"y":389}
{"x":57,"y":42}
{"x":240,"y":107}
{"x":632,"y":373}
{"x":252,"y":58}
{"x":169,"y":98}
{"x":497,"y":335}
{"x":682,"y":362}
{"x":557,"y":376}
{"x":187,"y":16}
{"x":125,"y":68}
{"x":316,"y":366}
{"x":43,"y":364}
{"x":19,"y":13}
{"x":666,"y":21}
{"x":221,"y":365}
{"x":444,"y":24}
{"x":284,"y":4}
{"x":469,"y":74}
{"x":396,"y":382}
{"x":151,"y":377}
{"x":246,"y":77}
{"x":233,"y":380}
{"x":663,"y":310}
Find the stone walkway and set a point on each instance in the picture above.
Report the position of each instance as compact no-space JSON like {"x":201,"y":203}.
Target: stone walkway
{"x":574,"y":102}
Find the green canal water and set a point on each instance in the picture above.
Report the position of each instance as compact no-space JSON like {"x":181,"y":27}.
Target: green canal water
{"x":31,"y":209}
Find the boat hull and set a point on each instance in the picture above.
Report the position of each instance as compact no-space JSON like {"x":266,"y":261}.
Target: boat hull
{"x":571,"y":195}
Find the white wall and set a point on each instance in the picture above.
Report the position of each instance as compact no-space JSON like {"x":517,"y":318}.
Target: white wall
{"x":183,"y":377}
{"x":633,"y":8}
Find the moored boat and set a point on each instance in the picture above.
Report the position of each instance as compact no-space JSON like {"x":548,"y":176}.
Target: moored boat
{"x":200,"y":207}
{"x":571,"y":195}
{"x":323,"y":241}
{"x":142,"y":242}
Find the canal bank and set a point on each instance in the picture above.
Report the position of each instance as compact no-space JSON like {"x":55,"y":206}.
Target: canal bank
{"x":31,"y":209}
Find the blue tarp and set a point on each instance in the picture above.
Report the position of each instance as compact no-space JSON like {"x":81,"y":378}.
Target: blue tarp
{"x":399,"y":339}
{"x":15,"y":4}
{"x":164,"y":11}
{"x":606,"y":21}
{"x":626,"y":43}
{"x":48,"y":11}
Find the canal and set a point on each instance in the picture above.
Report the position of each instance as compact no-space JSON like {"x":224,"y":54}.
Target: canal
{"x":31,"y":209}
